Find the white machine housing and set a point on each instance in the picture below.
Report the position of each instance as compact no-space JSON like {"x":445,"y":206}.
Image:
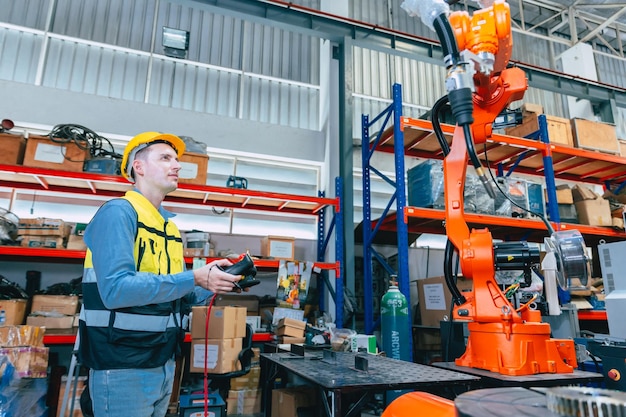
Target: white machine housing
{"x":613,"y":264}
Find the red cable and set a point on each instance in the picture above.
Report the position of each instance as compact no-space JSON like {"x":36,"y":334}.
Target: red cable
{"x":206,"y":355}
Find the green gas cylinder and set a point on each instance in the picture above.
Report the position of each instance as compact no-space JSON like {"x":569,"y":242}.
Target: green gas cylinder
{"x":394,"y":312}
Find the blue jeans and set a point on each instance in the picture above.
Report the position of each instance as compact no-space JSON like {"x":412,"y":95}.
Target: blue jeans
{"x":132,"y":392}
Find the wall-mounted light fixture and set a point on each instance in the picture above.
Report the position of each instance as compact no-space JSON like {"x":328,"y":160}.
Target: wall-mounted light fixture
{"x":175,"y":42}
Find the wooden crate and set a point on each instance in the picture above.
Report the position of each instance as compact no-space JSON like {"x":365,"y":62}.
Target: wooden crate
{"x":595,"y":136}
{"x":41,"y":152}
{"x":194,"y":170}
{"x":13,"y":147}
{"x":559,"y":129}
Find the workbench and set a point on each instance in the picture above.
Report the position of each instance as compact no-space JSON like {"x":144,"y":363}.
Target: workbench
{"x":338,"y":376}
{"x":490,"y":379}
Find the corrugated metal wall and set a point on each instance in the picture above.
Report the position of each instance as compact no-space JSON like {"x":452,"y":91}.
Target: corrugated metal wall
{"x":113,"y":48}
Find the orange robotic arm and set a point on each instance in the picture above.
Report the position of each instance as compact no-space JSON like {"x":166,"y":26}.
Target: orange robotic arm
{"x":501,"y":339}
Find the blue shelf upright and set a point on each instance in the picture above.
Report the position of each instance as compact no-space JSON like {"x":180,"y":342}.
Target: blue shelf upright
{"x":392,"y":113}
{"x":323,"y":238}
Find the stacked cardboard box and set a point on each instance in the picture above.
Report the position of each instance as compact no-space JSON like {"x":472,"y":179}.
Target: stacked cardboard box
{"x":227,"y":328}
{"x":43,"y":232}
{"x":244,"y":396}
{"x":53,"y":311}
{"x":290,"y":330}
{"x":592,"y":209}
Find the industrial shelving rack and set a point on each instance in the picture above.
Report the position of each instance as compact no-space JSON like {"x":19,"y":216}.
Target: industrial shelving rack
{"x":110,"y":186}
{"x":533,"y":155}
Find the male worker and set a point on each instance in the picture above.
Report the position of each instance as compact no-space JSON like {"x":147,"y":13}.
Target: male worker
{"x":136,"y":290}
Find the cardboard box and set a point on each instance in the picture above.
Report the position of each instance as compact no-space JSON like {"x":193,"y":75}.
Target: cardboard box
{"x":29,"y":361}
{"x":13,"y":147}
{"x":63,"y":322}
{"x":582,"y":192}
{"x":194,"y":168}
{"x":278,"y":247}
{"x":291,"y":340}
{"x":222,"y":355}
{"x":72,"y":400}
{"x":559,"y":129}
{"x":563,"y":194}
{"x":50,"y":242}
{"x":594,"y":212}
{"x":43,"y":226}
{"x":532,"y":108}
{"x":14,"y":336}
{"x":290,"y":327}
{"x":41,"y":152}
{"x":251,"y":380}
{"x":596,"y":136}
{"x":250,"y":302}
{"x":287,"y":401}
{"x":622,"y":147}
{"x":75,"y":240}
{"x":435,"y":299}
{"x":225,"y":322}
{"x":63,"y":304}
{"x":14,"y":311}
{"x":246,"y":401}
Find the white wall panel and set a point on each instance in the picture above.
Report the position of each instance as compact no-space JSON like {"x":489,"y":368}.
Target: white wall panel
{"x":275,"y":52}
{"x":114,"y":22}
{"x":184,"y":86}
{"x":28,"y":13}
{"x":611,"y":70}
{"x":276,"y":102}
{"x":93,"y":70}
{"x":20,"y":54}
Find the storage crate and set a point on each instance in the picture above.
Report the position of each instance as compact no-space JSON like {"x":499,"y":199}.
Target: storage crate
{"x":595,"y":136}
{"x":13,"y":147}
{"x":559,"y":129}
{"x":194,"y":168}
{"x":41,"y":152}
{"x":193,"y":405}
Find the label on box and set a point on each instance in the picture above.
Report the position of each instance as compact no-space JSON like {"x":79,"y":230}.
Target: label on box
{"x":279,"y":249}
{"x":198,"y":355}
{"x":50,"y":153}
{"x":188,"y":171}
{"x":434,"y":297}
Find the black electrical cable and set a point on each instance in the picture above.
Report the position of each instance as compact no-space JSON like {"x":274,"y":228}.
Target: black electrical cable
{"x":540,"y":215}
{"x":450,"y":276}
{"x":447,"y":39}
{"x":83,"y":138}
{"x":435,"y":111}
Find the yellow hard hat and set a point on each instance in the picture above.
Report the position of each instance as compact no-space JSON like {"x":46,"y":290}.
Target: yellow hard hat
{"x":142,"y":141}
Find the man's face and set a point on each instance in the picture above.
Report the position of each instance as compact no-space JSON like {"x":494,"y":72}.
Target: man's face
{"x":159,"y":167}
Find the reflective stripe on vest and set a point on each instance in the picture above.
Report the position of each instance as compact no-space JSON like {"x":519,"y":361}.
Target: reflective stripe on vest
{"x":126,"y":321}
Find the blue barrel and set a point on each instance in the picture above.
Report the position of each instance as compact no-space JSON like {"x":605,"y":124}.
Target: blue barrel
{"x":394,"y":312}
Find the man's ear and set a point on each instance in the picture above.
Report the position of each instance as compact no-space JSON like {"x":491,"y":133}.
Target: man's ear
{"x":137,"y":168}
